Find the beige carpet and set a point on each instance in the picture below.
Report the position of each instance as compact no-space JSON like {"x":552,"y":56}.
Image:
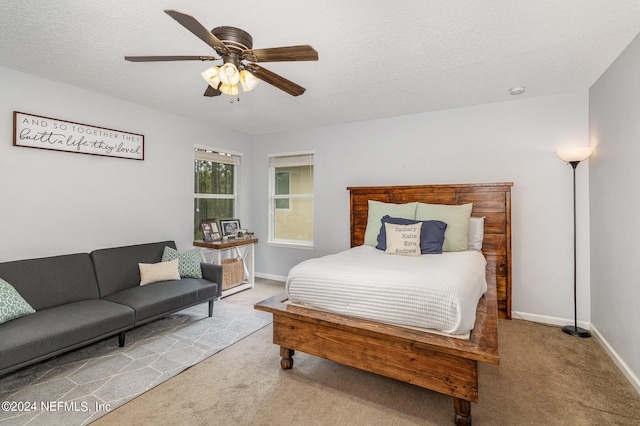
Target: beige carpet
{"x":545,"y":378}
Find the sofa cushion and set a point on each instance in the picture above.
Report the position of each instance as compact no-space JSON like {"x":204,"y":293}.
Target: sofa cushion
{"x":59,"y":329}
{"x":117,"y":268}
{"x":159,"y":299}
{"x":12,"y":305}
{"x":52,"y":281}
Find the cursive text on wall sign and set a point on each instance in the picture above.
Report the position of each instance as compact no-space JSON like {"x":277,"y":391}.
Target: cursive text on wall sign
{"x":34,"y":131}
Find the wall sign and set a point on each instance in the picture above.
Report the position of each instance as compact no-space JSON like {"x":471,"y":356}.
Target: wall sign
{"x":34,"y":131}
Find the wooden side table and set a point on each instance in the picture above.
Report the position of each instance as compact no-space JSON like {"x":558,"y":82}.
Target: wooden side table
{"x":239,"y":248}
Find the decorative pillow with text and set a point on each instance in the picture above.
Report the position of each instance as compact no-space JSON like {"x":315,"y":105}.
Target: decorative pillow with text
{"x":403,"y":239}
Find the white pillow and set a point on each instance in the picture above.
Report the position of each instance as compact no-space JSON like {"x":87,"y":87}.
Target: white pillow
{"x":403,"y":239}
{"x":163,"y":271}
{"x":476,"y":233}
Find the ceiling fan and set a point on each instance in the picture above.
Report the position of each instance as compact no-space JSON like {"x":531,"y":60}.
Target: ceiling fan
{"x":235,"y":48}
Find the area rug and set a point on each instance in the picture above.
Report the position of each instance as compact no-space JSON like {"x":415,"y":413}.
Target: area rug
{"x":83,"y":385}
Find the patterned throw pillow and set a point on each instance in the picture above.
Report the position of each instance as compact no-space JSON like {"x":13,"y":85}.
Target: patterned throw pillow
{"x":12,"y":305}
{"x":189,"y":264}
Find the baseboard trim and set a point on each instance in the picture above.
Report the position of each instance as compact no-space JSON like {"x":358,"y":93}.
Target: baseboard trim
{"x":619,"y":362}
{"x":271,"y":277}
{"x":635,"y":382}
{"x":543,"y":319}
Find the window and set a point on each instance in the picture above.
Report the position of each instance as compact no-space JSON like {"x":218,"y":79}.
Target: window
{"x":215,"y":180}
{"x":283,"y":187}
{"x":291,"y":199}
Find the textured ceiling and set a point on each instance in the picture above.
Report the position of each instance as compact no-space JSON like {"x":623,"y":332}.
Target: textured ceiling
{"x":377,"y":58}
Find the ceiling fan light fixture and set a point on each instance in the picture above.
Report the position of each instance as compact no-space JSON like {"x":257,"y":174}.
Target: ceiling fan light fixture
{"x":248,"y":81}
{"x":228,"y":89}
{"x":229,"y":74}
{"x":211,"y":76}
{"x":235,"y":48}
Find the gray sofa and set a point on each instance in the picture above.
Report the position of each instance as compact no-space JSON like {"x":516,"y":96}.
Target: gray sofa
{"x":86,"y":297}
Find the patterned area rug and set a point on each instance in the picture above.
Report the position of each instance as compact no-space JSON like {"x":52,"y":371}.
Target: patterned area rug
{"x":78,"y":387}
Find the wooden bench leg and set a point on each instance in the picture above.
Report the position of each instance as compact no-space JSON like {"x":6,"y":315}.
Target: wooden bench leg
{"x":286,"y":362}
{"x":463,"y":412}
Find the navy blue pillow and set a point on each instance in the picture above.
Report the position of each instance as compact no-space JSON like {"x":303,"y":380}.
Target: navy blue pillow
{"x":431,"y":236}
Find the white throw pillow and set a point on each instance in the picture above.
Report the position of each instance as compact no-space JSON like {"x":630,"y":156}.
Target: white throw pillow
{"x":163,"y":271}
{"x":403,"y":239}
{"x":476,"y":233}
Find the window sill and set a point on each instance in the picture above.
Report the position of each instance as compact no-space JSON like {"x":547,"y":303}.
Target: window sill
{"x":291,"y":245}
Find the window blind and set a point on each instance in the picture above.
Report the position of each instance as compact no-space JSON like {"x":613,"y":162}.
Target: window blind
{"x":290,"y":160}
{"x":217,"y":157}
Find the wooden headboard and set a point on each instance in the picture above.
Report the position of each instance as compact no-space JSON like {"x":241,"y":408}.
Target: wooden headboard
{"x":491,"y":200}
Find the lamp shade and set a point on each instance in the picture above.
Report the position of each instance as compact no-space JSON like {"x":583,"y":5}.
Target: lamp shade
{"x":228,"y":89}
{"x":575,"y":154}
{"x":229,"y":74}
{"x":248,"y":81}
{"x":211,"y":77}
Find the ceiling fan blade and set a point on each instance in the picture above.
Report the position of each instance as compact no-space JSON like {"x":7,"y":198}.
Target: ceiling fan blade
{"x":281,"y":54}
{"x":275,"y":80}
{"x":169,"y":58}
{"x":212,"y":92}
{"x":192,"y":24}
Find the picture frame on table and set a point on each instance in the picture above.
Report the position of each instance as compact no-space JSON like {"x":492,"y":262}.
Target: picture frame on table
{"x":210,"y":231}
{"x":229,"y":227}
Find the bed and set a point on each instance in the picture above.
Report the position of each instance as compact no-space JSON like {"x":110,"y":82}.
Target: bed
{"x":441,"y":363}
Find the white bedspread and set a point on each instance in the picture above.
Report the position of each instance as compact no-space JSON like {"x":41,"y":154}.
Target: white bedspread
{"x":433,"y":291}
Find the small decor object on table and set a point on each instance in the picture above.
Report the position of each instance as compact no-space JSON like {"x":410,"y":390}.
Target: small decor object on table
{"x":241,"y":234}
{"x":229,"y":227}
{"x":206,"y":232}
{"x":210,"y":230}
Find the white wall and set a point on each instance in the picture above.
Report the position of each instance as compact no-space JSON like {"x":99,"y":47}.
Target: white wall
{"x":615,"y":201}
{"x":58,"y":202}
{"x":512,"y":141}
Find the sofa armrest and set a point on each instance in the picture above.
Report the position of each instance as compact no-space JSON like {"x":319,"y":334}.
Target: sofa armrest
{"x":213,"y":273}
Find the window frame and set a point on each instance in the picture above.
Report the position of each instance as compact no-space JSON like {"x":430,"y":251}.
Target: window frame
{"x":272,"y":197}
{"x":235,"y":159}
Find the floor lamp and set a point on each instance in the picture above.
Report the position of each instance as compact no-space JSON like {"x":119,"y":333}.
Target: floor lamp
{"x":574,"y":156}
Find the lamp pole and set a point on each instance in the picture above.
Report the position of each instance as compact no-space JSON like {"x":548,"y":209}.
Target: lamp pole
{"x":574,"y":330}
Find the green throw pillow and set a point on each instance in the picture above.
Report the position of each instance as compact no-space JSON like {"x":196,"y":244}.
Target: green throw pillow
{"x":12,"y":305}
{"x":188,"y":264}
{"x":378,"y":209}
{"x":456,"y":237}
